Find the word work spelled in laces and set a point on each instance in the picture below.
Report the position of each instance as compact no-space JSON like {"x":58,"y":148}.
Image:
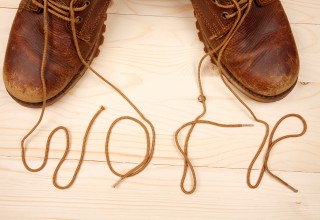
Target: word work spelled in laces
{"x":67,"y":13}
{"x":243,"y":7}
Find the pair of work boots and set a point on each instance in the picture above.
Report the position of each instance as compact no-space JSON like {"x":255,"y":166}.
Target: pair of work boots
{"x":259,"y":57}
{"x":53,"y":42}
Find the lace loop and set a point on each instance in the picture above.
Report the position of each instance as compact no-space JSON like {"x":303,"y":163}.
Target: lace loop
{"x":270,"y":146}
{"x":184,"y":152}
{"x":141,"y":166}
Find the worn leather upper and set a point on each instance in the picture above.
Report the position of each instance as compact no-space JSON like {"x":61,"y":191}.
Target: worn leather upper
{"x":23,"y":59}
{"x":262,"y":55}
{"x":265,"y":2}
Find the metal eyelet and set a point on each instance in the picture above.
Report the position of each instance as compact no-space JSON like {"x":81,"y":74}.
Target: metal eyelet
{"x":224,"y":15}
{"x":40,"y":11}
{"x":87,"y":3}
{"x":79,"y":19}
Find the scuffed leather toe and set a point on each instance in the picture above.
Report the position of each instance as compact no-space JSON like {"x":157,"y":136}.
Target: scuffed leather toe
{"x":62,"y":68}
{"x":260,"y":56}
{"x":272,"y":75}
{"x":266,"y":61}
{"x":267,"y":71}
{"x":22,"y":69}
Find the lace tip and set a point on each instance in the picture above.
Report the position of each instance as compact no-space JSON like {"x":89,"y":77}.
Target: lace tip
{"x":247,"y":125}
{"x":293,"y":189}
{"x":117,"y":183}
{"x":102,"y":108}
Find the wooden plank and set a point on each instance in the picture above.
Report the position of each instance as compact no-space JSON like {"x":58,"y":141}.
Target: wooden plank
{"x":153,"y":54}
{"x":176,"y":8}
{"x":298,"y":11}
{"x":163,"y":33}
{"x":153,"y":194}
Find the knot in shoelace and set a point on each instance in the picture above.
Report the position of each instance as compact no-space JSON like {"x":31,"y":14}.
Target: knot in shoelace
{"x":242,"y":7}
{"x":68,"y":13}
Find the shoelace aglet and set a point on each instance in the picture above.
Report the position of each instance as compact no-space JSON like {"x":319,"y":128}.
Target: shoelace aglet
{"x":102,"y":108}
{"x":290,"y":187}
{"x":247,"y":125}
{"x":118,"y":182}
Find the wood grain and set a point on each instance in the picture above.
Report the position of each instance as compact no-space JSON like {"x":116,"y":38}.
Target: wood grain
{"x":151,"y":52}
{"x":222,"y":194}
{"x":151,"y":68}
{"x":298,"y":11}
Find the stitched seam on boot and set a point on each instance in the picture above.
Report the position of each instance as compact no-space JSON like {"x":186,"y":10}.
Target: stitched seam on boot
{"x":98,"y":18}
{"x":206,"y":22}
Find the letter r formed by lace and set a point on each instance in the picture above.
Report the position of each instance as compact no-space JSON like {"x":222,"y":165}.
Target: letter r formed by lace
{"x":67,"y":13}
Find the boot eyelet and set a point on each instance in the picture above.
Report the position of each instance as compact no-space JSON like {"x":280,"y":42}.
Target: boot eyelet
{"x":87,"y":3}
{"x":224,"y":15}
{"x":40,"y":11}
{"x":79,"y":20}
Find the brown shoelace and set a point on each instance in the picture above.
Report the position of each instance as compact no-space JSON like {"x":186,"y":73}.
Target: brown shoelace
{"x":240,"y":6}
{"x":68,"y":14}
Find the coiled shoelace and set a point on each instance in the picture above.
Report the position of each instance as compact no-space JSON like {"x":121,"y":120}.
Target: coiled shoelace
{"x":67,"y":13}
{"x":242,"y":7}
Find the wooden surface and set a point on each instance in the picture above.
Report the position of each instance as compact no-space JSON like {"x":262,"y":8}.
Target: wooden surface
{"x":151,"y":52}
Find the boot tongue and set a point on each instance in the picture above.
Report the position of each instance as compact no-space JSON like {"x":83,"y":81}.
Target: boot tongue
{"x":264,"y":2}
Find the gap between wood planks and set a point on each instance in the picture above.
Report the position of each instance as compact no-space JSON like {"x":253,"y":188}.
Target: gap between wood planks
{"x":162,"y":164}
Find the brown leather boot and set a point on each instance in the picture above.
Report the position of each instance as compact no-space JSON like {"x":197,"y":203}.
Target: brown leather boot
{"x":252,"y":44}
{"x":63,"y":68}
